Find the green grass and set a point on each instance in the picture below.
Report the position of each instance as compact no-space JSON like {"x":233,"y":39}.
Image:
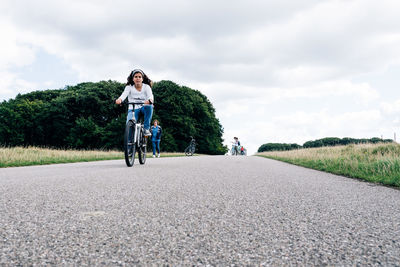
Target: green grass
{"x":377,"y":163}
{"x":19,"y":156}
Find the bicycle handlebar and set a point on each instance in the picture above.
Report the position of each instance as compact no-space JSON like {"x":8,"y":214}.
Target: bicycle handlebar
{"x":134,"y":103}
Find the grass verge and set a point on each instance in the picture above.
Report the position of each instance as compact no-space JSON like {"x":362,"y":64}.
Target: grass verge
{"x":19,"y":156}
{"x":377,"y":163}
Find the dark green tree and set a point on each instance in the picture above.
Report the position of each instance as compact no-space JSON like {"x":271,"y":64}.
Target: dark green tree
{"x":184,"y":112}
{"x":327,"y":141}
{"x":277,"y":147}
{"x":85,"y":116}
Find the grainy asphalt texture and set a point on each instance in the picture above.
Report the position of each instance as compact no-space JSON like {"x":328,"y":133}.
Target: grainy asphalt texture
{"x":208,"y":210}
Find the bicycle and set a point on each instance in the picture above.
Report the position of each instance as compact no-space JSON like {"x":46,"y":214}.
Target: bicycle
{"x":234,"y":150}
{"x":134,"y":139}
{"x":189,"y":151}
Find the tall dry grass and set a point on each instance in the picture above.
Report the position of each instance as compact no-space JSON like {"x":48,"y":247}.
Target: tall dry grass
{"x":21,"y":156}
{"x":379,"y":163}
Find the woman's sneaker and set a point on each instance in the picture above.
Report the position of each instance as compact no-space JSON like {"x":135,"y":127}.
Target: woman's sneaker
{"x":158,"y":155}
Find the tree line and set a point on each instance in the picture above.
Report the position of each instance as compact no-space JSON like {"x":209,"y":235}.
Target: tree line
{"x":327,"y":141}
{"x":85,"y":116}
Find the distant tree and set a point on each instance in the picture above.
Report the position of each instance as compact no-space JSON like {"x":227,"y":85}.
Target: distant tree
{"x":184,"y":112}
{"x":295,"y":146}
{"x":10,"y":123}
{"x":316,"y":143}
{"x":85,"y":134}
{"x":327,"y":141}
{"x":333,"y":141}
{"x":348,"y":140}
{"x":330,"y":141}
{"x":277,"y":147}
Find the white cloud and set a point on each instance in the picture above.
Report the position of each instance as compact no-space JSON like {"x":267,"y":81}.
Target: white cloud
{"x":234,"y":94}
{"x":391,"y":108}
{"x":14,"y":51}
{"x":361,"y":93}
{"x":305,"y":42}
{"x":329,"y":122}
{"x":10,"y":84}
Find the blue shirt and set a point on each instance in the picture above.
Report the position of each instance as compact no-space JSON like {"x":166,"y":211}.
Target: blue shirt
{"x":154,"y":132}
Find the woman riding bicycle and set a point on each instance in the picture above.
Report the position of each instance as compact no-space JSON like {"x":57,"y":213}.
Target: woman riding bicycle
{"x":138,"y":89}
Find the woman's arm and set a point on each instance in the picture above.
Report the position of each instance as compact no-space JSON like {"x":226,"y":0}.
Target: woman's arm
{"x":123,"y":95}
{"x":149,"y":95}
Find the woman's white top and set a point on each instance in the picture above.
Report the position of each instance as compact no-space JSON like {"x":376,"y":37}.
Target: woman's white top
{"x":137,"y":96}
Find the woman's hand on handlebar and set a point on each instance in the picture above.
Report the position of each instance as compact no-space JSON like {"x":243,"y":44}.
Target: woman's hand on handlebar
{"x":119,"y":101}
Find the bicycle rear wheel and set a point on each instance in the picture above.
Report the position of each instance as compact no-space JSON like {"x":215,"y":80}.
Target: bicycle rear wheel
{"x":142,"y":149}
{"x":129,"y":143}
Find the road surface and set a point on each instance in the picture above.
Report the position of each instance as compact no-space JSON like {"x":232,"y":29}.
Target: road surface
{"x":208,"y":210}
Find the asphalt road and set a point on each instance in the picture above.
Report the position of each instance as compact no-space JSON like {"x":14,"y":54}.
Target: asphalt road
{"x":209,"y":210}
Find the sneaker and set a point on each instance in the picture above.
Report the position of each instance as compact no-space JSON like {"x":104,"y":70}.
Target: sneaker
{"x":158,"y":155}
{"x":147,"y":132}
{"x":154,"y":156}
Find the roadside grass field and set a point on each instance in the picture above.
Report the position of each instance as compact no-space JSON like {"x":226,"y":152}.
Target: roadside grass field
{"x":377,"y":163}
{"x":20,"y":156}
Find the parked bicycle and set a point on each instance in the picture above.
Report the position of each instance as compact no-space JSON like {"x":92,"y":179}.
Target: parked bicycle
{"x":135,"y":140}
{"x":189,"y":151}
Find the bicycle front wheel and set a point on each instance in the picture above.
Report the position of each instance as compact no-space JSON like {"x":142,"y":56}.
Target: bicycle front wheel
{"x":188,"y":151}
{"x":129,"y":143}
{"x":142,"y":149}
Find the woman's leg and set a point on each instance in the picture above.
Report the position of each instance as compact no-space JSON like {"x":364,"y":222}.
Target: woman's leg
{"x":154,"y":147}
{"x":158,"y":146}
{"x":129,"y":116}
{"x":148,"y":113}
{"x":137,"y":113}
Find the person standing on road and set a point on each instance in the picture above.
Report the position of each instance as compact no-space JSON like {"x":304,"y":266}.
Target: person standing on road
{"x":156,"y":132}
{"x":235,"y":146}
{"x":138,"y":89}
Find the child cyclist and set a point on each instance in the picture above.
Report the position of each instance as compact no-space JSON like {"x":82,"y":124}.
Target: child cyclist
{"x":138,"y":89}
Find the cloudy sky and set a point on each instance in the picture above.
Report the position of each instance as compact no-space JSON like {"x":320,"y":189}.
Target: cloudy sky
{"x":275,"y":71}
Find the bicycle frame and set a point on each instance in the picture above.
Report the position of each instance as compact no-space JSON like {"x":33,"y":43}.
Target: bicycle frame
{"x":235,"y":150}
{"x":137,"y":142}
{"x":191,"y":148}
{"x":138,"y":131}
{"x":139,"y":124}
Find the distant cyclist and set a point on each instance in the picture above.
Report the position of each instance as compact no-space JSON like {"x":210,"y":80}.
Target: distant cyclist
{"x":156,"y":132}
{"x":235,"y":146}
{"x":138,"y":89}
